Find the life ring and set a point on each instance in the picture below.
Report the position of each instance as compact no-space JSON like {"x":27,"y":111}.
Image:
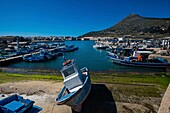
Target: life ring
{"x":67,"y":62}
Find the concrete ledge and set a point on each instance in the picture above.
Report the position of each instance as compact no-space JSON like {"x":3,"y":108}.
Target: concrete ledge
{"x":165,"y":104}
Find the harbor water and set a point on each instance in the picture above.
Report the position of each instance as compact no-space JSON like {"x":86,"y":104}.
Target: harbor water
{"x":85,"y":56}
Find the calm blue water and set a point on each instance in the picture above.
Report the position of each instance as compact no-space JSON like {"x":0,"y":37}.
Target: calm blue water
{"x":85,"y":56}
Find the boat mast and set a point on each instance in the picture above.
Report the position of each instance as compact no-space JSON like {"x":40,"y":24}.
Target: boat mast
{"x":17,"y":44}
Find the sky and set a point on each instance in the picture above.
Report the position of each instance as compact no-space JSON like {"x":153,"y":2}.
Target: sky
{"x":72,"y":17}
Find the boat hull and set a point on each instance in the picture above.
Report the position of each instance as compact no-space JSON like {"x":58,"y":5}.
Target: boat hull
{"x":138,"y":64}
{"x":75,"y":99}
{"x":100,"y":46}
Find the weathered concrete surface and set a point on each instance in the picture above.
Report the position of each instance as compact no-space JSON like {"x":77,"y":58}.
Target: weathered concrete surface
{"x":103,"y":98}
{"x":165,"y":104}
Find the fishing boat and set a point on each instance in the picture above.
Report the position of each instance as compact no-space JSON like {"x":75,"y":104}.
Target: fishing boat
{"x":132,"y":61}
{"x":100,"y":46}
{"x":17,"y":104}
{"x":67,"y":48}
{"x":77,"y":85}
{"x":34,"y":58}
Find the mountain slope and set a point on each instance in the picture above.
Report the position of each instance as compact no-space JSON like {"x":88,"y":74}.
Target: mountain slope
{"x":137,"y":25}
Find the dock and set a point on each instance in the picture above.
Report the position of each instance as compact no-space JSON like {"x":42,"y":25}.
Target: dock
{"x":165,"y":104}
{"x":7,"y":61}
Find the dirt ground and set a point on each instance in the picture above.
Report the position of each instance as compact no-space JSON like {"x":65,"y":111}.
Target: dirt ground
{"x":100,"y":99}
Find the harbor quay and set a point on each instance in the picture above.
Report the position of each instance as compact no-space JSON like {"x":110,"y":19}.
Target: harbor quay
{"x":124,"y":46}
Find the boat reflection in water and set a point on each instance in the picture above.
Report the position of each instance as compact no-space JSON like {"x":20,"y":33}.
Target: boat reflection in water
{"x":77,"y":85}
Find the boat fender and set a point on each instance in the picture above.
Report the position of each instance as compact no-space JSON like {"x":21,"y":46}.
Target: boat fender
{"x":67,"y":62}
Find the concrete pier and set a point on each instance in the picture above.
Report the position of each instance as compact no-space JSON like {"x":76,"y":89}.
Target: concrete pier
{"x":165,"y":104}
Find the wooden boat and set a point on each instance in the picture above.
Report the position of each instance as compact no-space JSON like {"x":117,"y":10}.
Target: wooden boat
{"x":17,"y":104}
{"x":132,"y":61}
{"x":77,"y":86}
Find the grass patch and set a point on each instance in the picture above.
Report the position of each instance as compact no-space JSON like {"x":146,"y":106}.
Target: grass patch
{"x":8,"y":77}
{"x":146,"y":91}
{"x":161,"y":80}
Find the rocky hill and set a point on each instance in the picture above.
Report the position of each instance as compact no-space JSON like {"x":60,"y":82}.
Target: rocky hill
{"x":137,"y":25}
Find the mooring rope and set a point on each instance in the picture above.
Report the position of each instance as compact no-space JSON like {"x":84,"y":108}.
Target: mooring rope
{"x":53,"y":108}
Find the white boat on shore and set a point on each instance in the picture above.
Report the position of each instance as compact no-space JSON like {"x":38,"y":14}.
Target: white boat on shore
{"x":77,"y":86}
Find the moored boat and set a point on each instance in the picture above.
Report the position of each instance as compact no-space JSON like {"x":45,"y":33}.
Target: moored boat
{"x":34,"y":58}
{"x":100,"y":46}
{"x":77,"y":86}
{"x":66,"y":48}
{"x":132,"y":61}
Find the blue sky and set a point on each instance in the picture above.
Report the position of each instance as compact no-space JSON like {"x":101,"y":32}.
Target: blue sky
{"x":72,"y":17}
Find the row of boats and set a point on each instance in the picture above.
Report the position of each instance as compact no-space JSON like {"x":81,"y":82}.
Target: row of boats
{"x":134,"y":61}
{"x":35,"y":48}
{"x":123,"y":55}
{"x":45,"y":54}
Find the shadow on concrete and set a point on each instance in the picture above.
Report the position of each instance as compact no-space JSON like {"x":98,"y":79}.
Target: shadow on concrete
{"x":35,"y":109}
{"x":100,"y":100}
